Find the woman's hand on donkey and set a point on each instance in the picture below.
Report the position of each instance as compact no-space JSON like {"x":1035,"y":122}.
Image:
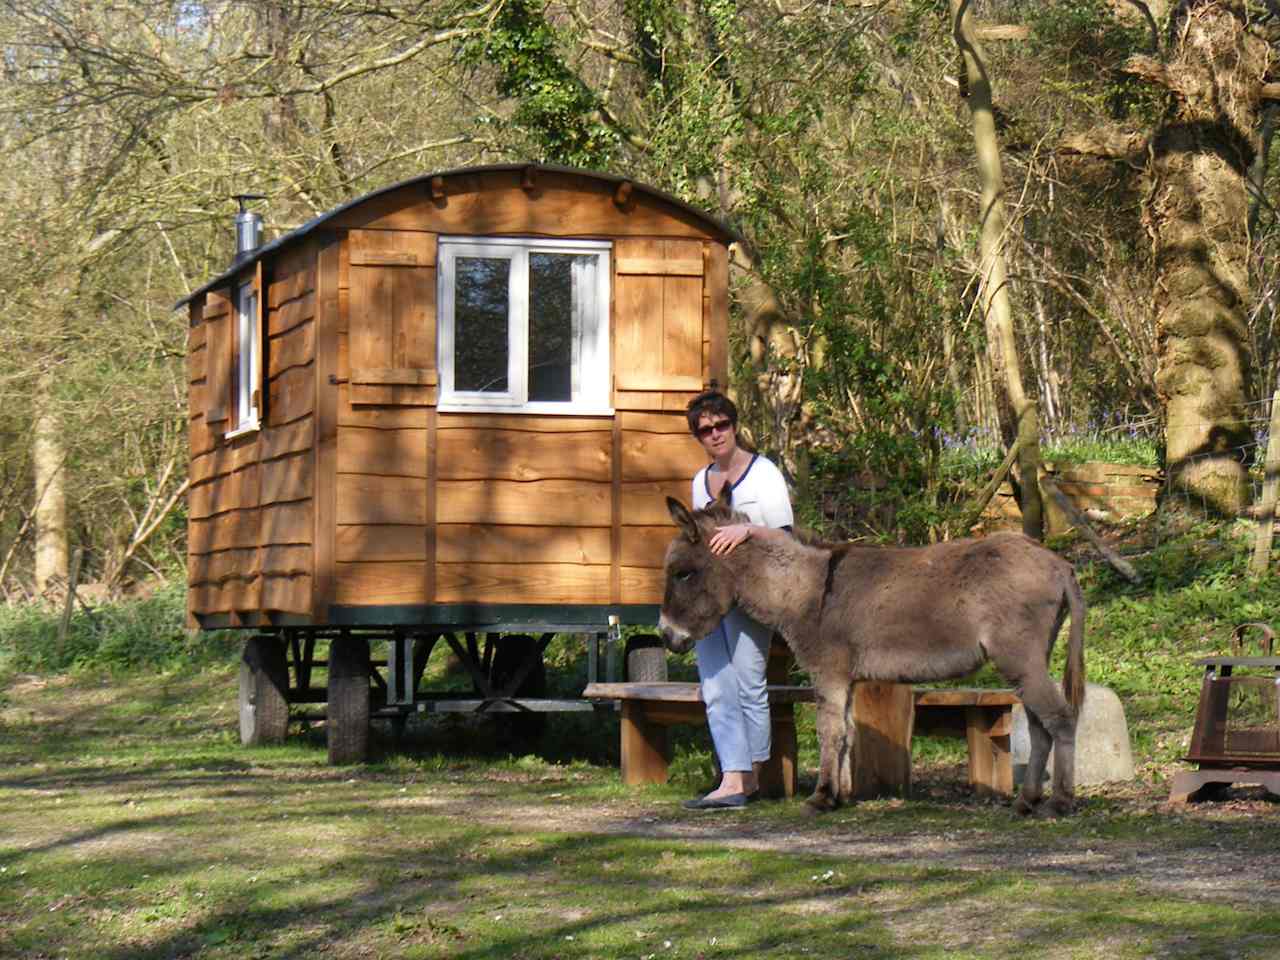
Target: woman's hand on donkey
{"x":726,"y":538}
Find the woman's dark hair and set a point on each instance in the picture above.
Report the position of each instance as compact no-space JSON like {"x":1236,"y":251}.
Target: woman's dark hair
{"x":711,"y":403}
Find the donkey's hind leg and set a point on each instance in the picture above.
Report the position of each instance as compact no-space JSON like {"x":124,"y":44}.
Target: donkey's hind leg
{"x":835,"y":778}
{"x":1051,"y":721}
{"x":1033,"y":780}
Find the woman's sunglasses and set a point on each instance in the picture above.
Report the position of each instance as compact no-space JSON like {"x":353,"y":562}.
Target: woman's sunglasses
{"x":706,"y":430}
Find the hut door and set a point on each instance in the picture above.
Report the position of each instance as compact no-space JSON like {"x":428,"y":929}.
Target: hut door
{"x":392,"y":317}
{"x":659,"y":289}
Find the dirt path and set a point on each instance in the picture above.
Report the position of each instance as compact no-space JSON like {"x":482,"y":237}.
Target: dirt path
{"x":1239,"y":865}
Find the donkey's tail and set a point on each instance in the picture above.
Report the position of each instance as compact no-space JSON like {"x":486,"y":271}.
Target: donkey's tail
{"x":1073,"y":674}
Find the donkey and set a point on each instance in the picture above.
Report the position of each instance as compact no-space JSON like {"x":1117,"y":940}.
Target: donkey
{"x":903,"y":614}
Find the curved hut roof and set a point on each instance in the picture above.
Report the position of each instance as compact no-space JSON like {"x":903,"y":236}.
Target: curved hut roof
{"x":431,"y":181}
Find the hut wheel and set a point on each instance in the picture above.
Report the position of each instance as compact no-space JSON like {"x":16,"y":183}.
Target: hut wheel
{"x":348,"y":706}
{"x":264,"y":688}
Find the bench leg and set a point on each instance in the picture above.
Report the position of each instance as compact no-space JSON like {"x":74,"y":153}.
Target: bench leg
{"x":778,"y":776}
{"x":644,"y":747}
{"x":990,"y":761}
{"x":883,"y":719}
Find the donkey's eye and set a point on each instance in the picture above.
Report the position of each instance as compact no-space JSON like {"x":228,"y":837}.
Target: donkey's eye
{"x":683,"y":575}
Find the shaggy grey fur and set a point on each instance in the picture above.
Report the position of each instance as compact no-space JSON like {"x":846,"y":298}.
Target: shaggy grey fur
{"x":907,"y":614}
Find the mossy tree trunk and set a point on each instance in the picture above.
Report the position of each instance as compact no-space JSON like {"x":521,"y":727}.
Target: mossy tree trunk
{"x":997,"y":308}
{"x":1197,"y":215}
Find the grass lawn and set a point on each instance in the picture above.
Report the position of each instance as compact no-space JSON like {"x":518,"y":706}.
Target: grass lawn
{"x":132,"y":824}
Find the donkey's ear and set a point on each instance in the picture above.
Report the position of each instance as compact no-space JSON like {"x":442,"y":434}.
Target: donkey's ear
{"x":684,"y":519}
{"x":725,"y":497}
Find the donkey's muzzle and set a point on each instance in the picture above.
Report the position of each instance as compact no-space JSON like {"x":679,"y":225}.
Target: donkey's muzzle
{"x":675,"y":639}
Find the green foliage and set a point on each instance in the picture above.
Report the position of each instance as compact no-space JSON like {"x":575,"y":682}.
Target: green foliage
{"x":1089,"y":31}
{"x":553,"y":105}
{"x":1142,"y":640}
{"x":1083,"y":43}
{"x":1135,"y":448}
{"x":913,"y":487}
{"x":134,"y":634}
{"x":913,"y":27}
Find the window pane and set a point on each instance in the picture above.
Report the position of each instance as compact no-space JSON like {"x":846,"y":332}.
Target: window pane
{"x":246,"y":355}
{"x":254,"y":348}
{"x":481,"y":340}
{"x":557,"y":284}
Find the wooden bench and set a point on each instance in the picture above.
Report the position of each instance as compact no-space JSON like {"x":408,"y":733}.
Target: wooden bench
{"x":888,"y":715}
{"x":647,"y":710}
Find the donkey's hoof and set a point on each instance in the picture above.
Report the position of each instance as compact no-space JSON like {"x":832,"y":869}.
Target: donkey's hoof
{"x":818,"y":805}
{"x":1023,"y":807}
{"x":1055,"y":807}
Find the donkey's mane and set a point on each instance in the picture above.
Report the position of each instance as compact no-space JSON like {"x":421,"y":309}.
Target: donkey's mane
{"x":811,"y":538}
{"x":721,"y":514}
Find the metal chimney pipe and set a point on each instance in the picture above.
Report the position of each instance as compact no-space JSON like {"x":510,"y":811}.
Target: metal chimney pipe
{"x":248,"y":226}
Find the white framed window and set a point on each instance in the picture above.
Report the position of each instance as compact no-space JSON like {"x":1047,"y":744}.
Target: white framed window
{"x":248,"y":359}
{"x":524,"y":324}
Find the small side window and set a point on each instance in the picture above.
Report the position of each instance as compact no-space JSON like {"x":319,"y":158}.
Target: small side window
{"x":248,"y":360}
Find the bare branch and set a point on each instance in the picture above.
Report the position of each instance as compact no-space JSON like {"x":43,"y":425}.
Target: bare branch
{"x":1108,"y":142}
{"x":997,"y":31}
{"x":1152,"y":28}
{"x":1151,"y":70}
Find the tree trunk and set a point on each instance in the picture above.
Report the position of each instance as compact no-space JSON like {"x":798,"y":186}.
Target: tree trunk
{"x":48,"y":459}
{"x":1197,"y":215}
{"x":997,"y":309}
{"x":772,"y":346}
{"x":277,"y":25}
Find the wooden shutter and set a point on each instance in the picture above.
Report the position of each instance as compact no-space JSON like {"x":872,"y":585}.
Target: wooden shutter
{"x":219,"y":337}
{"x":658,"y":297}
{"x":392,"y":325}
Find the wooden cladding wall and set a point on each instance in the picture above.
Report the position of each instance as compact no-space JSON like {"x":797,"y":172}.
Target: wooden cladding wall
{"x":453,"y":508}
{"x":386,"y":370}
{"x":523,"y":509}
{"x":516,"y":509}
{"x":657,"y":458}
{"x":251,"y":523}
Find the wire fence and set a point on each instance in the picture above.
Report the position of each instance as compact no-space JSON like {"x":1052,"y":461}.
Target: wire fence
{"x":1178,"y":501}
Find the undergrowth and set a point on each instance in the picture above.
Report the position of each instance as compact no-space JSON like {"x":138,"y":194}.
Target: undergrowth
{"x":143,"y":633}
{"x":925,"y":502}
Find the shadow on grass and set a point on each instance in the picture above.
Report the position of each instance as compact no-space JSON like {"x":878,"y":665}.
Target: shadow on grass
{"x":578,"y":896}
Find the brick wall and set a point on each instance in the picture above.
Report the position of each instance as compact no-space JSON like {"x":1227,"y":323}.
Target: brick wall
{"x":1103,"y":491}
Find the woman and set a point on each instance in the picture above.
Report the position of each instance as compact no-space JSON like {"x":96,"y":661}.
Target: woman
{"x":732,"y":660}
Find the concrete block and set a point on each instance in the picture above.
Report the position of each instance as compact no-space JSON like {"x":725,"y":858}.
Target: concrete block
{"x":1103,"y":754}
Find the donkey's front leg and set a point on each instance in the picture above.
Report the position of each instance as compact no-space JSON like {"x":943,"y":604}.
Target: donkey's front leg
{"x":835,"y":777}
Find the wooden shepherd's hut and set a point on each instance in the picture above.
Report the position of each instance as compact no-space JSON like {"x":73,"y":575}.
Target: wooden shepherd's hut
{"x":456,"y":403}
